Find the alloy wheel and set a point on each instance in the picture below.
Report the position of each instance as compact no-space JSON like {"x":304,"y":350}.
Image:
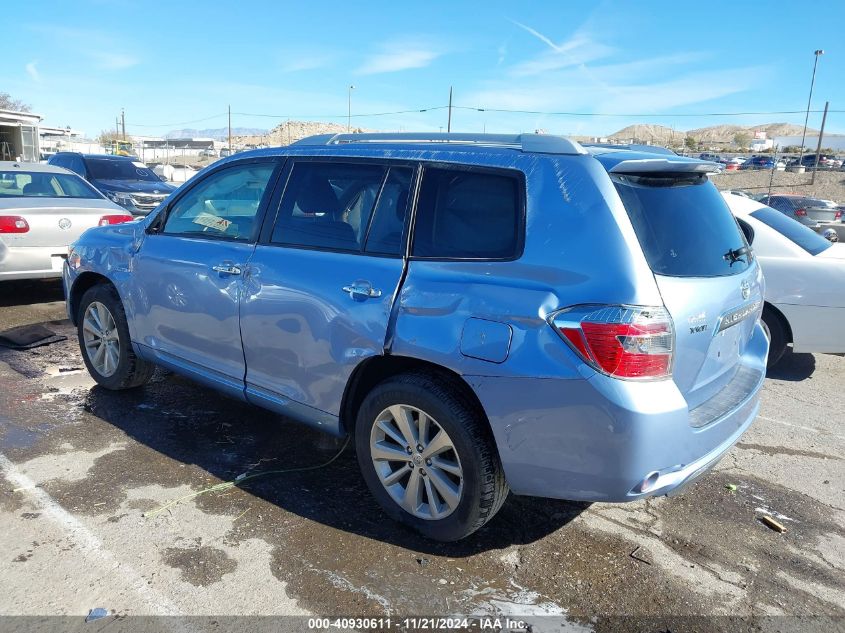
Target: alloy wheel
{"x":416,"y":462}
{"x":102,"y":342}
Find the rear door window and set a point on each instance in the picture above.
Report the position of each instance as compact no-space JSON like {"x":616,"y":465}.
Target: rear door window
{"x":683,"y":225}
{"x":328,"y":205}
{"x":468,"y":214}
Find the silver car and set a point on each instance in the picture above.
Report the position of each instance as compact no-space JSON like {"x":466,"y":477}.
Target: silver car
{"x":44,"y":208}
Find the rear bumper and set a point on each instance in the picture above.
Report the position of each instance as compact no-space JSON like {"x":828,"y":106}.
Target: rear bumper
{"x":602,"y":439}
{"x":31,"y":262}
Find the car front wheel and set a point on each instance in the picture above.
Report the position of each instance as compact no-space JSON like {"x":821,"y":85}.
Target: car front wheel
{"x":428,"y":457}
{"x":104,"y":341}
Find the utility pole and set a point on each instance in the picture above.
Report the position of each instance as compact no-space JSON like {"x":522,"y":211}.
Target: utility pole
{"x":819,"y":146}
{"x":349,"y":109}
{"x":230,"y":130}
{"x":807,"y":116}
{"x":123,"y":123}
{"x":449,"y":122}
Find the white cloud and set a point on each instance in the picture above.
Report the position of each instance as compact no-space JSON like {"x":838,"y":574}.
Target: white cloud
{"x":32,"y":71}
{"x":399,"y":55}
{"x":292,"y":63}
{"x":113,"y":61}
{"x":103,"y":49}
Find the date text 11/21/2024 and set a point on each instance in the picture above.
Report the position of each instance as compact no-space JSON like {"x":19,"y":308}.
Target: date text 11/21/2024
{"x":418,"y":624}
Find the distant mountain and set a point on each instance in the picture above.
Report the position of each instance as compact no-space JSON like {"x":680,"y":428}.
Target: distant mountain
{"x":661,"y":135}
{"x":647,"y":133}
{"x":219,"y":134}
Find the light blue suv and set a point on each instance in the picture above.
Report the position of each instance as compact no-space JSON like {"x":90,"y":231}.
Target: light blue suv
{"x":483,"y":313}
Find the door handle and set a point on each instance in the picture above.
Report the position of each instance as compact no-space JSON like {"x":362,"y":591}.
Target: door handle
{"x":227,"y":269}
{"x":362,"y":289}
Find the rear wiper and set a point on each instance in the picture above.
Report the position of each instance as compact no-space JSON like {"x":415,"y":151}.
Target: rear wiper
{"x":735,"y":254}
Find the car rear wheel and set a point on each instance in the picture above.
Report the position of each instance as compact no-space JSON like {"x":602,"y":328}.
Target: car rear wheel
{"x":104,"y":341}
{"x":776,"y":331}
{"x":428,"y":457}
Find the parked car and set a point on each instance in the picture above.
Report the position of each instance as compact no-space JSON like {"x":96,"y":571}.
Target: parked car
{"x":123,"y":179}
{"x":42,"y":210}
{"x":711,"y":157}
{"x":807,"y":210}
{"x":481,"y":312}
{"x":225,"y":152}
{"x":805,"y":280}
{"x":175,"y":172}
{"x":762,"y":162}
{"x":210,"y":152}
{"x":826,"y":161}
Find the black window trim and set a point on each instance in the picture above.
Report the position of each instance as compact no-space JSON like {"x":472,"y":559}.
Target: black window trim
{"x":516,"y":174}
{"x":156,"y":226}
{"x":265,"y":238}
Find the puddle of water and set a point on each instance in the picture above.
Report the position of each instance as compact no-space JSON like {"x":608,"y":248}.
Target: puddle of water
{"x":14,"y":436}
{"x":63,"y":380}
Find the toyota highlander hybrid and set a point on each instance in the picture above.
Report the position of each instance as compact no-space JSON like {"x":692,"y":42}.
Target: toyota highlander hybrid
{"x":482,"y":313}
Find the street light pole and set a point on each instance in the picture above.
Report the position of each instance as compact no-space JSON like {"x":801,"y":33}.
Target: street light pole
{"x":809,"y":100}
{"x":349,"y":110}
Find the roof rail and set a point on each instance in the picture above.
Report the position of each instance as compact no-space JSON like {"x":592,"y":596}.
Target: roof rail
{"x":539,"y":143}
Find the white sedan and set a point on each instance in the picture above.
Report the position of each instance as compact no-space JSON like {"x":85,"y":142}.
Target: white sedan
{"x":805,"y":280}
{"x":43,"y":208}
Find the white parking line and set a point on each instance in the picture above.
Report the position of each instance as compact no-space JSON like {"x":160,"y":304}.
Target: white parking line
{"x":86,"y":543}
{"x":803,"y":428}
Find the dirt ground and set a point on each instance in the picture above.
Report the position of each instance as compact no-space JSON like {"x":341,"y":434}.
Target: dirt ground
{"x":829,"y":185}
{"x":85,"y":470}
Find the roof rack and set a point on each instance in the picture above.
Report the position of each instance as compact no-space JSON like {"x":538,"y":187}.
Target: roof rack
{"x":539,"y":143}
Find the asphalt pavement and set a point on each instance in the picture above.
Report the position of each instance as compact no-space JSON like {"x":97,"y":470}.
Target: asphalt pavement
{"x":87,"y":473}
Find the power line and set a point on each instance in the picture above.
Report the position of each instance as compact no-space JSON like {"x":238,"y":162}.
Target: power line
{"x":339,"y":116}
{"x":640,"y":115}
{"x":208,"y":118}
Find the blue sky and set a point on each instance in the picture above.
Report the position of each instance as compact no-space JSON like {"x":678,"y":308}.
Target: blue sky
{"x":169,"y":63}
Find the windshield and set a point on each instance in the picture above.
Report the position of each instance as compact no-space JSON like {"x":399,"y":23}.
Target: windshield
{"x":683,"y":225}
{"x":795,"y":232}
{"x":110,"y":169}
{"x":33,"y":184}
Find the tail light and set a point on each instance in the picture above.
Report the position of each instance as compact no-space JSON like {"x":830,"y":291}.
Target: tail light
{"x":13,"y":224}
{"x":620,"y":341}
{"x":838,"y":215}
{"x":800,"y":212}
{"x":119,"y":218}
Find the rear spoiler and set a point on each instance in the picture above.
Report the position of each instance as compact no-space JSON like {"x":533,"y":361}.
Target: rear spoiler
{"x":663,"y":166}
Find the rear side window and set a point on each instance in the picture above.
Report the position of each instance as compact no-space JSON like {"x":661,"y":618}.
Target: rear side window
{"x":468,"y":215}
{"x":794,"y":231}
{"x":683,"y":225}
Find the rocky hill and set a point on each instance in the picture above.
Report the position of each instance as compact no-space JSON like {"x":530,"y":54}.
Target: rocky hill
{"x":291,"y":131}
{"x":719,"y":134}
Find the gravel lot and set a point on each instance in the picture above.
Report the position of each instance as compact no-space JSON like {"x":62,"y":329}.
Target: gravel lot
{"x":829,"y":185}
{"x":82,"y":468}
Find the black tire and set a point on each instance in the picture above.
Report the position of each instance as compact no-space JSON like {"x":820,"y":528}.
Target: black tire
{"x":773,"y":322}
{"x":484,"y":485}
{"x":131,"y":371}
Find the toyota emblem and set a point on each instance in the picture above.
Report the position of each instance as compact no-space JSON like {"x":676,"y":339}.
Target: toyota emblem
{"x":64,"y":224}
{"x":746,"y":289}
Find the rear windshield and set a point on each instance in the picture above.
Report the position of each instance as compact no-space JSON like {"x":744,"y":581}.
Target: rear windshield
{"x":683,"y":225}
{"x":34,"y":184}
{"x":792,"y":230}
{"x":110,"y":169}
